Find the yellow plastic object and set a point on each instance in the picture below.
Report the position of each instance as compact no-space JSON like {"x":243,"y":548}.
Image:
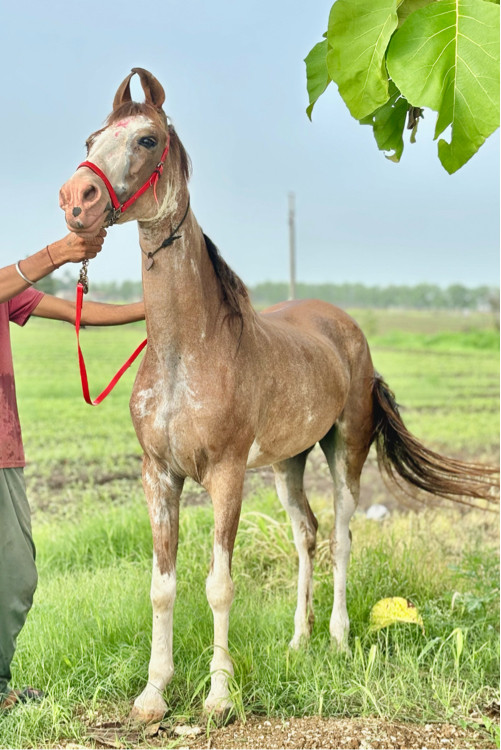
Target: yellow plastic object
{"x":394,"y":609}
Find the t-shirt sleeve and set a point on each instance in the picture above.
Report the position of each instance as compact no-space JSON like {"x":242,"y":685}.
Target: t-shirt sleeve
{"x":22,"y":305}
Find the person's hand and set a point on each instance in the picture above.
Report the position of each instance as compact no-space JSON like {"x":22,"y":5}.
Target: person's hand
{"x":75,"y":248}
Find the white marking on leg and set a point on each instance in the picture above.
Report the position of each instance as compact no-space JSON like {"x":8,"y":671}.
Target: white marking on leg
{"x":304,"y":539}
{"x":219,"y":588}
{"x":161,"y":667}
{"x":346,"y":499}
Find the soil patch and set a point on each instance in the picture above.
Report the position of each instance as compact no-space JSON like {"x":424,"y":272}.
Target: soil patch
{"x":307,"y":732}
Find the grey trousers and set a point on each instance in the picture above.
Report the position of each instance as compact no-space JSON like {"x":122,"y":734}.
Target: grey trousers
{"x":18,"y":575}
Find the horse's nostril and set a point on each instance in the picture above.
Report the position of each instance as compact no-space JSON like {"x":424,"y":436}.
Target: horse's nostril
{"x":90,"y":193}
{"x":77,"y":211}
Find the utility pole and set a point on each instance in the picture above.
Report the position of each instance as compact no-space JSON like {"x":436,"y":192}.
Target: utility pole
{"x":292,"y":246}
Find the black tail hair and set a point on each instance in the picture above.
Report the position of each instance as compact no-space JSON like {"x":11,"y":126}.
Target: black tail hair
{"x":409,"y":464}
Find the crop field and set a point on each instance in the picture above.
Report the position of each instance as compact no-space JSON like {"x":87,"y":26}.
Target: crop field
{"x":87,"y":639}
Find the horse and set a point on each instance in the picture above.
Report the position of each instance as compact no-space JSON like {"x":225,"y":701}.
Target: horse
{"x":223,"y":388}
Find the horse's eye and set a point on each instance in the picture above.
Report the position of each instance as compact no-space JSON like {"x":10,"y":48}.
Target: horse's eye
{"x":148,"y":142}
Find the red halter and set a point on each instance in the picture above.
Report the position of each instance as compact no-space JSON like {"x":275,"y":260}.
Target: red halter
{"x":118,"y":207}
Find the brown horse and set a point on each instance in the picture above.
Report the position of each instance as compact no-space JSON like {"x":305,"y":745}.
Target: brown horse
{"x":223,"y":388}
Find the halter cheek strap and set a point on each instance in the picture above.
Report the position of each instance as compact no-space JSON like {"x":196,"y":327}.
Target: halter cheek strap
{"x":119,"y":208}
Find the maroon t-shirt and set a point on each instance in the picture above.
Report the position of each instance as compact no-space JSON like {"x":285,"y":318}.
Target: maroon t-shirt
{"x":16,"y":310}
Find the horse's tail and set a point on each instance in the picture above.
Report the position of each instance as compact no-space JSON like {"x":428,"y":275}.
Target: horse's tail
{"x":411,"y":465}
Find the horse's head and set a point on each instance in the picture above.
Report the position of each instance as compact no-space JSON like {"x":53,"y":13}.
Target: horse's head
{"x":126,"y":155}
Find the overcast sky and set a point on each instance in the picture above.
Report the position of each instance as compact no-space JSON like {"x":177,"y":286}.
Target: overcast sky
{"x":235,"y":89}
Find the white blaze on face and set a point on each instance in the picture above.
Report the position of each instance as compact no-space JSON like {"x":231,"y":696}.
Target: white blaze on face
{"x":112,"y":149}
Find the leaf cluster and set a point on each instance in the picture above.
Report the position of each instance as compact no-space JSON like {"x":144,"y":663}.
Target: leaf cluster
{"x":392,"y":58}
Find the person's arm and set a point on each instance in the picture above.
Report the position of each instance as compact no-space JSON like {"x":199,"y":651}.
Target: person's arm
{"x":71,"y":249}
{"x":93,"y":313}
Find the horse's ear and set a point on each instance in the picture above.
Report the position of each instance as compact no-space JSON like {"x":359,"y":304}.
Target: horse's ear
{"x":153,"y":90}
{"x":123,"y":92}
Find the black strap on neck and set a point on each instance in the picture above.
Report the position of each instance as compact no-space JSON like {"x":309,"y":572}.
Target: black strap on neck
{"x":168,"y":240}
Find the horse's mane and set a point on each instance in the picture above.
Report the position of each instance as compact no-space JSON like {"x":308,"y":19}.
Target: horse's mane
{"x":234,"y":291}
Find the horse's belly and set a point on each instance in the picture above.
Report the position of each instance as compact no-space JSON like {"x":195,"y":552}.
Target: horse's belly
{"x":293,"y":427}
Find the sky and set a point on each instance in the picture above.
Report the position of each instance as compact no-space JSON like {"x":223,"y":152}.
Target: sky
{"x":235,"y":88}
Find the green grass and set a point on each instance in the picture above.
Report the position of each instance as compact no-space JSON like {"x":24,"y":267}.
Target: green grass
{"x":450,"y":397}
{"x":49,"y":391}
{"x":87,"y":639}
{"x":427,"y":322}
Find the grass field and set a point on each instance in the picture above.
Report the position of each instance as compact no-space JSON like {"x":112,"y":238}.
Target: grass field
{"x":87,"y":639}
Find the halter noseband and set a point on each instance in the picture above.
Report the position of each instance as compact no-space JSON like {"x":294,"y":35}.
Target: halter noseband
{"x":119,"y":208}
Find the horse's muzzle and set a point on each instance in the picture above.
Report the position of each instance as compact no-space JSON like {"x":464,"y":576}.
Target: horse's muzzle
{"x":85,"y":203}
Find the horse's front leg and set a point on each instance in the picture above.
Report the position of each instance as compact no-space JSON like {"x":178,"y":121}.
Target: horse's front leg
{"x":225,"y":488}
{"x":162,"y":491}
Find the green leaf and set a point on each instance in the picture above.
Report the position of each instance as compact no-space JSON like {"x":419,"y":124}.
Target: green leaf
{"x":317,"y":75}
{"x":407,"y":7}
{"x":388,"y":123}
{"x":446,"y":57}
{"x":358,"y":35}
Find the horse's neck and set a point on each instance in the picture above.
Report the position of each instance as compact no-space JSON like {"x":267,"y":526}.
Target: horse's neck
{"x":181,"y":293}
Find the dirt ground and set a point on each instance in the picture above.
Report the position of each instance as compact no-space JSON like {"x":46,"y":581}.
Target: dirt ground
{"x":310,"y":732}
{"x":317,"y":480}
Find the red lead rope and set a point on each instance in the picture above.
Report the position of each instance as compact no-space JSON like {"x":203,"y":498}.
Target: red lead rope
{"x":83,"y":371}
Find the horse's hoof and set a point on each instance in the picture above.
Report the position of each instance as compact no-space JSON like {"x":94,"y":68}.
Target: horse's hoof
{"x":148,"y":714}
{"x":341,"y":647}
{"x":299,"y":642}
{"x":138,"y":716}
{"x":219,"y":710}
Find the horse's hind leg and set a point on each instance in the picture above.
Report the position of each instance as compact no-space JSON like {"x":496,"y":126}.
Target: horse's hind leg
{"x":290,"y":490}
{"x":345,"y":459}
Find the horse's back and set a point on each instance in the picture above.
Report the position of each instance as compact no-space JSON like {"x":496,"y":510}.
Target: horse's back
{"x":299,"y":311}
{"x":320,"y":320}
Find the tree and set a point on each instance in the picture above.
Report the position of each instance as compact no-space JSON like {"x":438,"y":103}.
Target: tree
{"x":392,"y":58}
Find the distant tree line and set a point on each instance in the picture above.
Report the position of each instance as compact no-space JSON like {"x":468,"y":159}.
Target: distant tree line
{"x":109,"y":291}
{"x":420,"y":296}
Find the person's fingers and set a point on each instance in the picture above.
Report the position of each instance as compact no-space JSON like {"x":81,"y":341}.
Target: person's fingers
{"x":98,"y":240}
{"x":74,"y":247}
